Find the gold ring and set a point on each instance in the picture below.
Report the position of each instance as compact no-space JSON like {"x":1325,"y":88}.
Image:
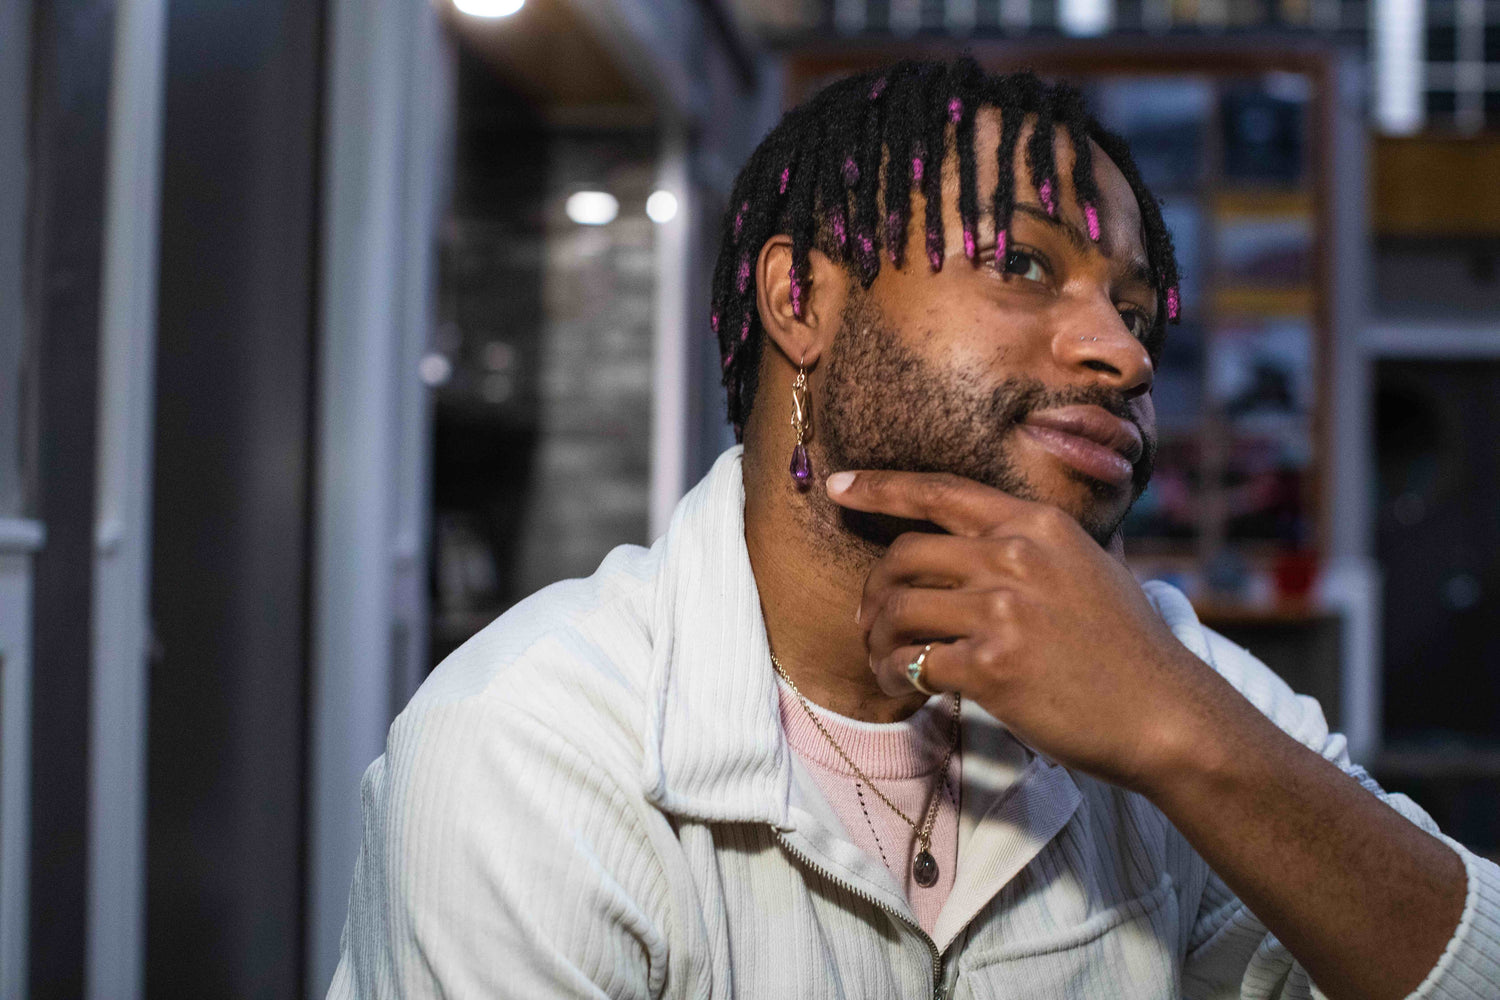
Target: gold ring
{"x":914,"y":671}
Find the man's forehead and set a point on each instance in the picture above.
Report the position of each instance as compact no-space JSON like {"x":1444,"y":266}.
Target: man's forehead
{"x":1119,"y":210}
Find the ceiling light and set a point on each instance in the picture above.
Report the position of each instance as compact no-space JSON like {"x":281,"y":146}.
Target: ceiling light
{"x":435,"y":369}
{"x":489,"y":8}
{"x":661,"y":206}
{"x":592,"y":208}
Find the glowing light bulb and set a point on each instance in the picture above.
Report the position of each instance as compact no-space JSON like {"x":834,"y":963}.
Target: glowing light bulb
{"x":489,"y":8}
{"x":592,"y":208}
{"x":661,"y":206}
{"x":435,"y":369}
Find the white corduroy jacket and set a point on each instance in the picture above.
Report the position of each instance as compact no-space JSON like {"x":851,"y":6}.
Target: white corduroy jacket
{"x":594,"y":798}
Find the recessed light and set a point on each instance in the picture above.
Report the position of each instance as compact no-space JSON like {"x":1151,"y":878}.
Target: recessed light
{"x":661,"y":206}
{"x":592,"y":208}
{"x":435,"y":369}
{"x":489,"y":8}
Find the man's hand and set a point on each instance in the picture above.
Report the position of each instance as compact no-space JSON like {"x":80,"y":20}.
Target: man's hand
{"x":1033,"y":620}
{"x":1051,"y":634}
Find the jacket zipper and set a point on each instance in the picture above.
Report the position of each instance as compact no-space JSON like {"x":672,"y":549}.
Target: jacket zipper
{"x":937,"y":956}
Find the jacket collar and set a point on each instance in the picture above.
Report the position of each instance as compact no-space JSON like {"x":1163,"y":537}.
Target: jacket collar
{"x":714,"y":749}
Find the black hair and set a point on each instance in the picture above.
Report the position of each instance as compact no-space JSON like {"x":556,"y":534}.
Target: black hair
{"x":817,"y":178}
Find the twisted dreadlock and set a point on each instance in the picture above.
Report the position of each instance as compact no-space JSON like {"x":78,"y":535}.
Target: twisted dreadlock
{"x":817,"y":178}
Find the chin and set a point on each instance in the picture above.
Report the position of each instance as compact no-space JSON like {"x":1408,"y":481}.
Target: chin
{"x":1097,"y":506}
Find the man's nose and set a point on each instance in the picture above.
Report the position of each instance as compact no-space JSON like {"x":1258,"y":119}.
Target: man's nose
{"x":1096,"y":340}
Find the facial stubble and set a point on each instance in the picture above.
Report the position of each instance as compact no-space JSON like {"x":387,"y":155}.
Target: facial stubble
{"x":884,"y":406}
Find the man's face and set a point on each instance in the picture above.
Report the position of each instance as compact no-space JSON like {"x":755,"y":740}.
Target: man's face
{"x":1031,"y":377}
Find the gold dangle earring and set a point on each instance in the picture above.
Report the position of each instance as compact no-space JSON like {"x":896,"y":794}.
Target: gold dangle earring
{"x":801,"y":468}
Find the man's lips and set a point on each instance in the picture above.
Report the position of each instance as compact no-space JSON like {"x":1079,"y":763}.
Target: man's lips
{"x":1088,"y":438}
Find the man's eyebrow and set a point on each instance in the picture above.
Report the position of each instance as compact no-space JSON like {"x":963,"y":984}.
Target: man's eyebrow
{"x":1136,"y":269}
{"x":1075,"y":236}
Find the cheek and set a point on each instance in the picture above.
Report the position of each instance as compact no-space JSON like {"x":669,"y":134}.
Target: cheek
{"x":1006,"y":342}
{"x":952,"y":320}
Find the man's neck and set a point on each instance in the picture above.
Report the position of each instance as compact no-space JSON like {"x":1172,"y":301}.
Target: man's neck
{"x":810,"y":575}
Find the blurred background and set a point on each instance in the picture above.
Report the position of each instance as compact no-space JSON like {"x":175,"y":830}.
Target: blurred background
{"x":328,"y":330}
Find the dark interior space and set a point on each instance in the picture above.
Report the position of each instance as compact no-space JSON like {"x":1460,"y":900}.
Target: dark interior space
{"x":1438,"y":539}
{"x":485,"y":415}
{"x":1438,"y":536}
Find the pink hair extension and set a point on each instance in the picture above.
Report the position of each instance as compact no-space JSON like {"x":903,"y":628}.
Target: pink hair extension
{"x":866,"y":244}
{"x":742,"y":278}
{"x":955,"y":110}
{"x":786,"y":176}
{"x":1174,"y":303}
{"x":1045,"y":193}
{"x":851,"y":172}
{"x":893,"y":234}
{"x":745,"y":328}
{"x":935,"y":249}
{"x":969,"y":243}
{"x":839,"y":233}
{"x":796,"y":293}
{"x":1001,"y":239}
{"x":739,"y":218}
{"x":1091,"y":215}
{"x":916,"y":170}
{"x":878,"y":89}
{"x":728,"y":360}
{"x":713,"y":321}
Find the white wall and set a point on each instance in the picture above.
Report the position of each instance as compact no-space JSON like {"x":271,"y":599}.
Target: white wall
{"x":387,"y":105}
{"x":116,"y":936}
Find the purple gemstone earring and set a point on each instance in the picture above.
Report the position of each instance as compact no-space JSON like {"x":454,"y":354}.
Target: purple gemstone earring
{"x":801,"y":468}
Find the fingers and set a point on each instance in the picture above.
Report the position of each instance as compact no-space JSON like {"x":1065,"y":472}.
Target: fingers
{"x":972,"y":629}
{"x":917,"y":615}
{"x":942,"y":670}
{"x":961,"y":506}
{"x":921,"y":559}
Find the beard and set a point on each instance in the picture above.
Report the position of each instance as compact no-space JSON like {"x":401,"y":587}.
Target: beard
{"x":886,"y":407}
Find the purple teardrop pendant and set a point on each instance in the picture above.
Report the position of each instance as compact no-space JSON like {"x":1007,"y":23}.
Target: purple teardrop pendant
{"x":801,"y":467}
{"x":924,"y":869}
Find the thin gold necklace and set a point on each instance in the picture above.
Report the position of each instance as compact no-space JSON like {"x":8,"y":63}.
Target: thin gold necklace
{"x":924,"y":867}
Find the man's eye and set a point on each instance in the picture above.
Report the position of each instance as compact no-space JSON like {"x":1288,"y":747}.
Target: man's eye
{"x":1024,"y":265}
{"x":1136,"y":322}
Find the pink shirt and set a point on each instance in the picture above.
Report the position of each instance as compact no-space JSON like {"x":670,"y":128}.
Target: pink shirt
{"x":902,"y":758}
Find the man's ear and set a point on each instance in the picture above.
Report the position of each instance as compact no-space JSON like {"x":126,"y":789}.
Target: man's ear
{"x":802,"y":339}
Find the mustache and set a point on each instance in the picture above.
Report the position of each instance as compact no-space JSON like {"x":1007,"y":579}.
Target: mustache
{"x":1018,"y":397}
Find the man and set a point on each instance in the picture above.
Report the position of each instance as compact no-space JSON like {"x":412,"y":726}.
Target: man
{"x":714,"y":769}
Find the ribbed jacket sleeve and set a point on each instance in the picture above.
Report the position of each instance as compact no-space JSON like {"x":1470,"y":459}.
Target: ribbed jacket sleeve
{"x":1231,"y":953}
{"x":499,"y":860}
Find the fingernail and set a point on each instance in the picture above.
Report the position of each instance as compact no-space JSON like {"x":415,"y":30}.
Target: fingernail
{"x":840,"y":481}
{"x":856,"y":614}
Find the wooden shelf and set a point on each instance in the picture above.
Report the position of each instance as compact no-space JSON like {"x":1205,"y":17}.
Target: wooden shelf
{"x":1434,"y":185}
{"x":1262,"y":202}
{"x":1249,"y":300}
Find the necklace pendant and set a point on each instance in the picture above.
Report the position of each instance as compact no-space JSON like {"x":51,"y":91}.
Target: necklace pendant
{"x":924,"y":868}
